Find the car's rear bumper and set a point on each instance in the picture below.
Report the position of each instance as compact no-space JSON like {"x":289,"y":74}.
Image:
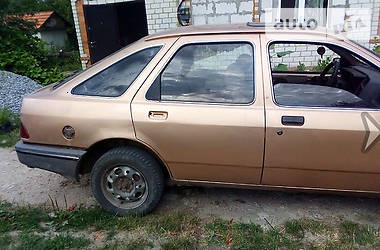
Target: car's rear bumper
{"x":60,"y":160}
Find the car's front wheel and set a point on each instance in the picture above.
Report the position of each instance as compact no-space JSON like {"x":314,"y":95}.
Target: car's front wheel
{"x":127,"y":181}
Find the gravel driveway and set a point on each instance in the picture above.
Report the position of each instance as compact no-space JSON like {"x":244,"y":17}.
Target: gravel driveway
{"x":19,"y":184}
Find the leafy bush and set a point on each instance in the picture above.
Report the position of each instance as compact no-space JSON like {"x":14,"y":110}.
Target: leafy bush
{"x":322,"y":64}
{"x":23,"y":63}
{"x":8,"y":119}
{"x":301,"y":67}
{"x":4,"y":116}
{"x":9,"y":132}
{"x":376,"y":45}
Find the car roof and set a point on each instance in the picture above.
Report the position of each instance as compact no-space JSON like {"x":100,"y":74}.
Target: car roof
{"x":242,"y":28}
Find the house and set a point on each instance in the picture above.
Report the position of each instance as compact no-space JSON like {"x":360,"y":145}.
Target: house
{"x":51,"y":27}
{"x":104,"y":26}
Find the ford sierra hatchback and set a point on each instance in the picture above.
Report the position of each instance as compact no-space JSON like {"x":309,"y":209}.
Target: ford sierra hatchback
{"x":240,"y":105}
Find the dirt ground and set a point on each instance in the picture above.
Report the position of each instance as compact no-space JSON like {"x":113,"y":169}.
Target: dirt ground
{"x":21,"y":185}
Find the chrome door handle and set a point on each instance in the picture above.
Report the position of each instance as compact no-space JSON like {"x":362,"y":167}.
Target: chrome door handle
{"x":158,"y":115}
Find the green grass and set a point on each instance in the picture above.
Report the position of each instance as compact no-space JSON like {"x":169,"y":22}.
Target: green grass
{"x":181,"y":242}
{"x":354,"y":234}
{"x":246,"y":236}
{"x":61,"y":241}
{"x":137,"y":244}
{"x":294,"y":228}
{"x":9,"y":139}
{"x":5,"y":241}
{"x":21,"y":218}
{"x":38,"y":228}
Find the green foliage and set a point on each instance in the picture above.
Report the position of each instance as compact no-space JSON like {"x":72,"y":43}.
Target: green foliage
{"x":246,"y":236}
{"x":20,"y":218}
{"x":24,"y":63}
{"x":322,"y":64}
{"x":284,"y":53}
{"x":301,"y":67}
{"x":179,"y":243}
{"x":9,"y":139}
{"x":280,"y":67}
{"x":61,"y":241}
{"x":353,"y":233}
{"x":376,"y":45}
{"x":70,"y":62}
{"x":9,"y":132}
{"x":5,"y":240}
{"x":5,"y":116}
{"x":294,"y":228}
{"x":138,"y":244}
{"x":36,"y":228}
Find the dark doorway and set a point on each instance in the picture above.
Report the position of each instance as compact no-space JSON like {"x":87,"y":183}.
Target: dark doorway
{"x":113,"y":26}
{"x":288,"y":4}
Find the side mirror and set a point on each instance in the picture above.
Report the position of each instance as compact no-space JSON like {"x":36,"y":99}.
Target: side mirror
{"x":321,"y":51}
{"x":184,"y":13}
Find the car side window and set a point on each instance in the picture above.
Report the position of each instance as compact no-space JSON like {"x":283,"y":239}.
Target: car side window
{"x":213,"y":73}
{"x":116,"y":79}
{"x":322,"y":75}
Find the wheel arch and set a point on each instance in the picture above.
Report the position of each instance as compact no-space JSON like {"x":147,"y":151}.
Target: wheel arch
{"x":96,"y":150}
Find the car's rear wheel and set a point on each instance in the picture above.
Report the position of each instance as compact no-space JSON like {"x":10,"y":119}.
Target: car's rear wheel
{"x":127,"y":181}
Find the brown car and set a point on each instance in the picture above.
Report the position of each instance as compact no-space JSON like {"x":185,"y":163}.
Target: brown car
{"x":242,"y":105}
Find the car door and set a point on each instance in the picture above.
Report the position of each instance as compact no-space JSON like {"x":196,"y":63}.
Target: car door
{"x":311,"y":146}
{"x":201,"y":109}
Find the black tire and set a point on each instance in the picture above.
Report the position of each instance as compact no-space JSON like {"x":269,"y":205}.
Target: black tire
{"x":139,"y":160}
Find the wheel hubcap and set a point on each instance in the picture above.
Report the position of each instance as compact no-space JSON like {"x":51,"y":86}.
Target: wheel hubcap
{"x":125,"y":184}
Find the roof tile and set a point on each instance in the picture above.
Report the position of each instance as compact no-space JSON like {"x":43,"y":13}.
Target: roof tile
{"x":39,"y":18}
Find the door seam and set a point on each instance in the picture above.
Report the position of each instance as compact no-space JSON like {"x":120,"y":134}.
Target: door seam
{"x":264,"y":111}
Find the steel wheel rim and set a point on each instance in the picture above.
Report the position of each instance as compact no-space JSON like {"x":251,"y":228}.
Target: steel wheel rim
{"x":125,"y":187}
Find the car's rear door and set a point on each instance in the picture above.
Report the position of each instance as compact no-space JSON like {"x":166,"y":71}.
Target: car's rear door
{"x":311,"y":146}
{"x":201,"y":109}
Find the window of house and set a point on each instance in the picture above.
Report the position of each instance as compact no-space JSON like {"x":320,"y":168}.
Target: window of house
{"x":322,"y":75}
{"x":215,"y":73}
{"x":116,"y":79}
{"x":312,"y":12}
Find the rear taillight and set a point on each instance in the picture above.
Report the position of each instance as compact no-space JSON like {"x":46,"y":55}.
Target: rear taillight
{"x":23,"y":132}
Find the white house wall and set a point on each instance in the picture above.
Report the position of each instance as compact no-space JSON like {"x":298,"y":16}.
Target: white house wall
{"x":161,"y":15}
{"x":221,"y":11}
{"x":56,"y":38}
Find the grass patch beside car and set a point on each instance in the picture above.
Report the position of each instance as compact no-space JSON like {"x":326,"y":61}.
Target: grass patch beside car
{"x":9,"y":128}
{"x":92,"y":228}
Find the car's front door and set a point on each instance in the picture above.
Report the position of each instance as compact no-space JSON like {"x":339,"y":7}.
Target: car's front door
{"x":201,"y":109}
{"x":312,"y":139}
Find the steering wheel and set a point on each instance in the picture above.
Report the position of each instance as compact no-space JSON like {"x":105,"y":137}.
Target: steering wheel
{"x":336,"y":64}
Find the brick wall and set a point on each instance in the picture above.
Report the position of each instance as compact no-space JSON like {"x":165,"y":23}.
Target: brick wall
{"x":161,"y":15}
{"x":373,"y":6}
{"x":221,"y":11}
{"x":306,"y":55}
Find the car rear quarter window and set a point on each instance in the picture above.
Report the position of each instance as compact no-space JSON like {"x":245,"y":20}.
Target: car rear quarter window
{"x":116,"y":79}
{"x":213,"y":73}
